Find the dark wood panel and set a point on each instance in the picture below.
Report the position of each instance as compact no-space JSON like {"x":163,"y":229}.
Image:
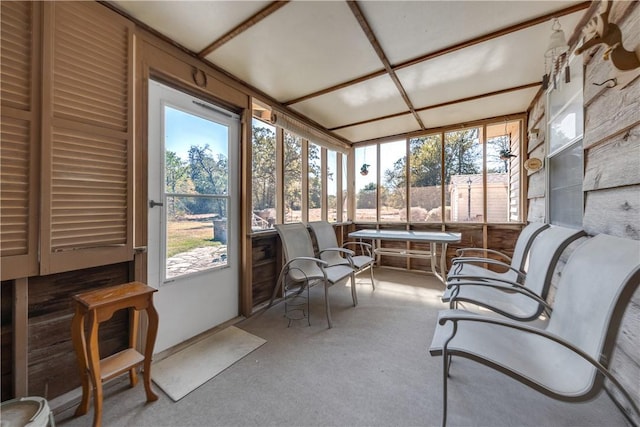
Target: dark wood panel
{"x":52,"y":363}
{"x":265,"y":267}
{"x":6,"y":339}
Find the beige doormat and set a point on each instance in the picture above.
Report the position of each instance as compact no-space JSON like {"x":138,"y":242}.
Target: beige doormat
{"x":186,"y":370}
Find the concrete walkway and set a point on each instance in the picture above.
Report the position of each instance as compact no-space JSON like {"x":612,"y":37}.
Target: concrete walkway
{"x":196,"y":260}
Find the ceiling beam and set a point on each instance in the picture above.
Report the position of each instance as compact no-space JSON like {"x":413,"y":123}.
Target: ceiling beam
{"x":357,"y":12}
{"x":243,"y":26}
{"x":467,"y":43}
{"x":443,"y":104}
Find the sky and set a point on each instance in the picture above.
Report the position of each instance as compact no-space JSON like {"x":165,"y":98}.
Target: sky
{"x":182,"y":130}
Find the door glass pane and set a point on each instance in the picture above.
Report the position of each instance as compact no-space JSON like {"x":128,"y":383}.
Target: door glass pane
{"x":393,"y":167}
{"x":463,"y":175}
{"x":426,"y":178}
{"x":196,"y":186}
{"x":195,"y":242}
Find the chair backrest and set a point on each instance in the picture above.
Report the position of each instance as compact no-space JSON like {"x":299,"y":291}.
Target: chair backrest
{"x":596,"y":284}
{"x":523,"y":244}
{"x":296,"y":240}
{"x":326,"y":238}
{"x":544,"y":255}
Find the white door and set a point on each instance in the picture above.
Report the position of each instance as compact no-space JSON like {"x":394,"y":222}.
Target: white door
{"x":193,"y":242}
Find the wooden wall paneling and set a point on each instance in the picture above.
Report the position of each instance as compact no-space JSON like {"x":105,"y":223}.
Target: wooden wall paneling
{"x":614,"y":112}
{"x":20,"y":76}
{"x":537,"y":185}
{"x":265,"y":265}
{"x":537,"y":210}
{"x":52,"y":362}
{"x":175,"y":67}
{"x":20,"y":337}
{"x":613,"y":211}
{"x":6,"y":340}
{"x":614,"y":163}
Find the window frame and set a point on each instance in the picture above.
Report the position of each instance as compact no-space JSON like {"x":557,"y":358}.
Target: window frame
{"x":554,"y":153}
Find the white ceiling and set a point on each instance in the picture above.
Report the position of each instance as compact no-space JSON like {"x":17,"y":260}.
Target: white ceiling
{"x":316,"y":54}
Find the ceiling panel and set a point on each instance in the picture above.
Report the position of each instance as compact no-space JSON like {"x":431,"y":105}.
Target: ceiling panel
{"x":370,"y":99}
{"x":303,"y":47}
{"x":409,"y":29}
{"x":505,"y":62}
{"x":306,"y":47}
{"x":193,"y":24}
{"x":392,"y":126}
{"x":493,"y":106}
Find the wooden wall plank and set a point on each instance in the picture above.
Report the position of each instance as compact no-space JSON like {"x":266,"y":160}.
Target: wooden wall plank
{"x":613,"y":211}
{"x":537,"y":210}
{"x":614,"y":164}
{"x":537,"y":185}
{"x":613,"y":112}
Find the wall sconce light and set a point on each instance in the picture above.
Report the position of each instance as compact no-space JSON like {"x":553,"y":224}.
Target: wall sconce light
{"x":555,"y":54}
{"x":598,"y":30}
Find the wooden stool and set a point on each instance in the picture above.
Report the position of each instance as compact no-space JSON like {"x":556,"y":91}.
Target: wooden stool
{"x":100,"y":305}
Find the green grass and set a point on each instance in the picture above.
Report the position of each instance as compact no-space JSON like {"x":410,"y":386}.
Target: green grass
{"x":182,"y":236}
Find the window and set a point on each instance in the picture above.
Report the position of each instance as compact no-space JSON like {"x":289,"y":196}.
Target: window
{"x":366,"y":183}
{"x":565,"y":154}
{"x":458,"y":175}
{"x":426,"y":178}
{"x":332,"y":186}
{"x":263,"y":176}
{"x":314,"y":183}
{"x":393,"y":188}
{"x":464,"y":175}
{"x":292,"y":178}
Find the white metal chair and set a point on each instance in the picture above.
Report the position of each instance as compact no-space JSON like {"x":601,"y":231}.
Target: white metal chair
{"x":567,"y":360}
{"x":302,"y":270}
{"x":520,"y":301}
{"x":326,"y":240}
{"x":468,"y":267}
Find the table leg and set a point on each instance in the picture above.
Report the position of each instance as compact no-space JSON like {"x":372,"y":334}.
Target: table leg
{"x":134,"y":315}
{"x":443,"y":263}
{"x":94,"y":369}
{"x":152,"y":330}
{"x":80,"y":346}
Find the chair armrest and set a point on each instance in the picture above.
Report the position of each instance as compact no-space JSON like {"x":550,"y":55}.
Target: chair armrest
{"x":461,"y":253}
{"x":365,"y":247}
{"x":505,"y":285}
{"x":340,"y":250}
{"x":318,"y":261}
{"x":457,"y":264}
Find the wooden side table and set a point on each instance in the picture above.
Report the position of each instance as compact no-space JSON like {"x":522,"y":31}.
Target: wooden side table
{"x":99,"y":305}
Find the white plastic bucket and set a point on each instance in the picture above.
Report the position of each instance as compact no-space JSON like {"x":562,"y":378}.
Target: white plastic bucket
{"x":26,"y":412}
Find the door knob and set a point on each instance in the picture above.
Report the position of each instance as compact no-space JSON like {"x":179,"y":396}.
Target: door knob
{"x":153,"y":203}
